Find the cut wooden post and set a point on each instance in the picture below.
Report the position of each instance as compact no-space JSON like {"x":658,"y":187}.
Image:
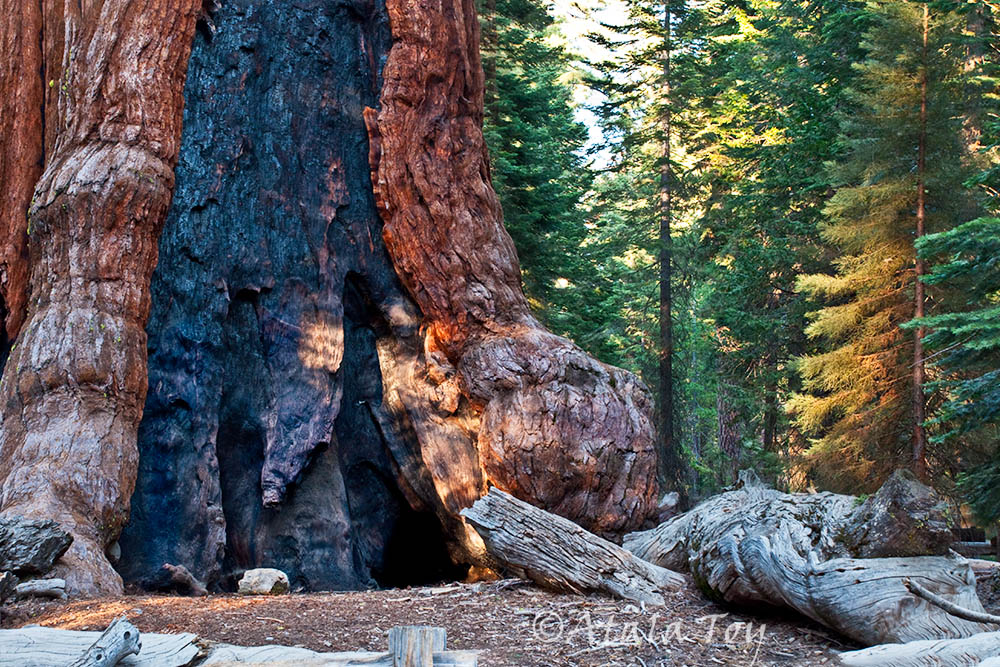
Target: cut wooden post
{"x":556,"y":553}
{"x":415,"y":645}
{"x":119,"y":641}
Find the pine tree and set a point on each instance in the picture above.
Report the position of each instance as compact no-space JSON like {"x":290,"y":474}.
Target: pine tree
{"x":536,"y":144}
{"x":900,"y":177}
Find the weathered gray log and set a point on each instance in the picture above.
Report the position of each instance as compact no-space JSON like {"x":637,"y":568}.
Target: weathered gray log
{"x":119,"y":641}
{"x":29,"y":546}
{"x":229,"y":655}
{"x":825,"y":556}
{"x":969,"y":651}
{"x":556,"y":553}
{"x":415,"y":645}
{"x":42,"y":588}
{"x":49,"y":647}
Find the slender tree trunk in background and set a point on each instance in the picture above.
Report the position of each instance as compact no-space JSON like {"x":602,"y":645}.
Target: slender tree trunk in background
{"x":670,"y":459}
{"x":771,"y":400}
{"x":975,"y":54}
{"x":919,"y":372}
{"x":73,"y":387}
{"x":492,"y":94}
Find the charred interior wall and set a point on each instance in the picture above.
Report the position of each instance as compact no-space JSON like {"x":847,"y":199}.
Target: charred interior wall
{"x":265,"y":439}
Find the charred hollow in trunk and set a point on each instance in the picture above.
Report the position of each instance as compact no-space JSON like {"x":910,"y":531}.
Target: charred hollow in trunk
{"x":271,"y":296}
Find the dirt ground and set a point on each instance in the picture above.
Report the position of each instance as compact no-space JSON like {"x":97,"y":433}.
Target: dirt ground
{"x":513,"y":623}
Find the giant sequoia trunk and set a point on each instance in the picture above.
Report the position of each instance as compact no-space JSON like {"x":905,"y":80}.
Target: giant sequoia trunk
{"x":74,"y":383}
{"x":335,"y":371}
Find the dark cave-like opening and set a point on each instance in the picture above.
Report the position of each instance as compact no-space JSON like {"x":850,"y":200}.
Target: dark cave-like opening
{"x":415,"y":554}
{"x":413,"y":546}
{"x":345,"y":524}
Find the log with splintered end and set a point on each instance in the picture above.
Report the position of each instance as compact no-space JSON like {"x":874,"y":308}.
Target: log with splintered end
{"x":556,"y":553}
{"x":119,"y":641}
{"x":830,"y":557}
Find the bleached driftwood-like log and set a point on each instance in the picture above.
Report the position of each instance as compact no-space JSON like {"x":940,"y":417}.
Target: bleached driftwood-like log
{"x":556,"y":553}
{"x":42,"y":588}
{"x":119,"y":641}
{"x":415,"y":645}
{"x":830,"y":557}
{"x":966,"y":652}
{"x":49,"y":647}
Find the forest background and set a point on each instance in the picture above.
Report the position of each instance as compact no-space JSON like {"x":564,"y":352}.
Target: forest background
{"x":781,"y":215}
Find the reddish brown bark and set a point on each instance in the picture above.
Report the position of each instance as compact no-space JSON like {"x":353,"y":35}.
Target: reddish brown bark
{"x":74,"y":385}
{"x":557,"y":428}
{"x":919,"y":399}
{"x":21,"y":77}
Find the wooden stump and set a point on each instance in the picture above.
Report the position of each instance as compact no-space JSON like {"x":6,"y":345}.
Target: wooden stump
{"x":415,"y":645}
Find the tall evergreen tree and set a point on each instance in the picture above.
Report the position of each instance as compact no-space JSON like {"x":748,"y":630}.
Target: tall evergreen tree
{"x":536,"y":143}
{"x":901,"y":177}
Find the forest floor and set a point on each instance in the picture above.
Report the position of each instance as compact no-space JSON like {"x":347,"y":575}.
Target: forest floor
{"x":515,"y":624}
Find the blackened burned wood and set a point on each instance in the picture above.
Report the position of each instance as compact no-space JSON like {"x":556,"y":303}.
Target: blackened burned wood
{"x":965,"y":652}
{"x":556,"y":553}
{"x":119,"y":641}
{"x":974,"y":549}
{"x":814,"y":554}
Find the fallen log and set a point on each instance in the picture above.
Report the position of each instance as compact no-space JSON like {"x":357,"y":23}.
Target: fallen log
{"x":42,"y":588}
{"x":969,"y":651}
{"x":50,"y":647}
{"x":409,"y":646}
{"x":119,"y":641}
{"x":556,"y":553}
{"x":837,"y":560}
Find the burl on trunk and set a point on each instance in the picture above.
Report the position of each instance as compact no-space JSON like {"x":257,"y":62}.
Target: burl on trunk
{"x":558,"y":428}
{"x":75,"y":381}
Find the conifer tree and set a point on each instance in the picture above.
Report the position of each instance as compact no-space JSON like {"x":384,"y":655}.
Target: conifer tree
{"x":901,"y":177}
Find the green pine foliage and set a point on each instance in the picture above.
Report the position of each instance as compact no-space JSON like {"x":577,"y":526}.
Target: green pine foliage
{"x":856,"y":403}
{"x":536,"y":147}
